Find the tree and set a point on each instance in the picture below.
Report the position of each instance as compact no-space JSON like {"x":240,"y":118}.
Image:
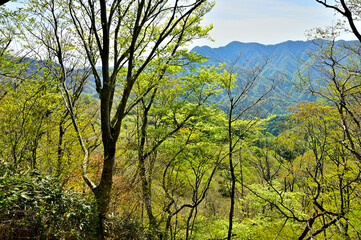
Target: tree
{"x":338,"y":85}
{"x":328,"y":168}
{"x":24,"y":93}
{"x":125,"y":37}
{"x":348,"y":9}
{"x":13,"y":70}
{"x":192,"y":159}
{"x":32,"y":103}
{"x":333,"y":135}
{"x":339,"y":66}
{"x":242,"y":102}
{"x":176,"y":99}
{"x":46,"y":36}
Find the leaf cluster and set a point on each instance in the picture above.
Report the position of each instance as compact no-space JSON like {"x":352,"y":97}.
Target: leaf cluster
{"x":34,"y":205}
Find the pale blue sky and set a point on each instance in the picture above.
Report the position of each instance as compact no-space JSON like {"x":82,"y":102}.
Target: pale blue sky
{"x":265,"y":21}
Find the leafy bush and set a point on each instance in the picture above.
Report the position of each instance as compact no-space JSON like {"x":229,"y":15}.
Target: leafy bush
{"x":125,"y":228}
{"x":36,"y":206}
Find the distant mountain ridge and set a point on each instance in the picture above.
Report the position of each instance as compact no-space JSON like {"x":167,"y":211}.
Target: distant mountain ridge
{"x":283,"y":58}
{"x":232,"y":48}
{"x":286,"y":58}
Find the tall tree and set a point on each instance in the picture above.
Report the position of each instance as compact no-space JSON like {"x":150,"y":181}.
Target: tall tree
{"x":241,"y":101}
{"x":126,"y":36}
{"x":348,"y":9}
{"x":339,"y":67}
{"x":175,"y":100}
{"x":46,"y":35}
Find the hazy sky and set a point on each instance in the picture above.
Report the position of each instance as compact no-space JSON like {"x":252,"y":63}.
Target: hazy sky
{"x":265,"y":21}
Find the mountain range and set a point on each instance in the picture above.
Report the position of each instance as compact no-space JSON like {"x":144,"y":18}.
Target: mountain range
{"x":285,"y":55}
{"x":283,"y":59}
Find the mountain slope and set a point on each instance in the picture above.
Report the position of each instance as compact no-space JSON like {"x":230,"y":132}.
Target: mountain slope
{"x":284,"y":57}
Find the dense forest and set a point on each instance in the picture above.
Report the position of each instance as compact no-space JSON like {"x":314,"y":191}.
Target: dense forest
{"x":111,"y":128}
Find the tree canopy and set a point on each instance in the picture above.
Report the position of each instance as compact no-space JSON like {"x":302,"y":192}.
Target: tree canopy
{"x":110,"y":128}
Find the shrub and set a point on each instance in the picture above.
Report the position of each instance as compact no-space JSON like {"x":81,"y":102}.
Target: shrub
{"x":37,"y":207}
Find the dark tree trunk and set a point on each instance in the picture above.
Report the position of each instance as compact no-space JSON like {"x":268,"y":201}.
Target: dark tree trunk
{"x":233,"y":176}
{"x":103,"y":190}
{"x":60,"y":149}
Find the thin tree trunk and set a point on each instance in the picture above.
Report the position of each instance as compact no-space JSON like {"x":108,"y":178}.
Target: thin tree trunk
{"x":142,"y":156}
{"x":233,"y":177}
{"x":60,"y":150}
{"x":147,"y":195}
{"x":188,"y":222}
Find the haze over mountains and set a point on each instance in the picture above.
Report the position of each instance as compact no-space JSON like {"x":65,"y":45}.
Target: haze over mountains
{"x":283,"y":59}
{"x":284,"y":56}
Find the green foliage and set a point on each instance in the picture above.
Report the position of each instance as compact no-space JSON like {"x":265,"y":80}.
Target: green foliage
{"x":36,"y":206}
{"x":178,"y":159}
{"x":24,"y":113}
{"x":276,"y":124}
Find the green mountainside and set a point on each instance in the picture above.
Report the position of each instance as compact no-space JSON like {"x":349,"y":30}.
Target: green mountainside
{"x":284,"y":61}
{"x":284,"y":57}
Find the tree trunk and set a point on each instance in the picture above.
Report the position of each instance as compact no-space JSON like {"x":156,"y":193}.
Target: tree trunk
{"x":147,"y":195}
{"x":188,"y":222}
{"x":60,"y":149}
{"x":103,"y":190}
{"x":233,"y":177}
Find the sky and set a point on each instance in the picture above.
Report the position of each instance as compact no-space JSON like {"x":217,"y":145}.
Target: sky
{"x":265,"y":21}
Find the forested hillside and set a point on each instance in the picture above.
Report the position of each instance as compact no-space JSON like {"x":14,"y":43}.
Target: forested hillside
{"x":282,"y":62}
{"x":110,"y":128}
{"x":286,"y":56}
{"x":286,"y":61}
